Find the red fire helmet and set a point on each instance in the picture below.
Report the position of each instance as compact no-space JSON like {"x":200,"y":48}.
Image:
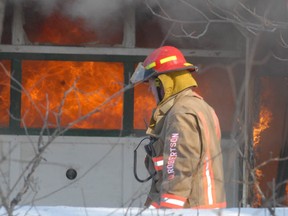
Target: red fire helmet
{"x":162,"y":60}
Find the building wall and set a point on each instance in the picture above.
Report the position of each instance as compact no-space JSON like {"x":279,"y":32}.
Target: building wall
{"x":104,"y":168}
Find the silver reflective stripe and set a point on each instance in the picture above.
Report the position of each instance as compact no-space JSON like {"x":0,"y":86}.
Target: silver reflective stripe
{"x":173,"y":201}
{"x":209,"y":184}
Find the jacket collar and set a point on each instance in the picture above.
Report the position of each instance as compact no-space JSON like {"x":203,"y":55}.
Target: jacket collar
{"x":157,"y":119}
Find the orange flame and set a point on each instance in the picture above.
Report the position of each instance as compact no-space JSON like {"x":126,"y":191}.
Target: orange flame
{"x":80,"y":86}
{"x":265,"y":118}
{"x":47,"y":81}
{"x":257,"y":200}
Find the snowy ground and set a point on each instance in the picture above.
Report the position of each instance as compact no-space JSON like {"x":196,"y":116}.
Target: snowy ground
{"x":80,"y":211}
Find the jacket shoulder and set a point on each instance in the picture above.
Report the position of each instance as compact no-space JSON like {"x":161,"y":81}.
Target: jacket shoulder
{"x":189,"y":102}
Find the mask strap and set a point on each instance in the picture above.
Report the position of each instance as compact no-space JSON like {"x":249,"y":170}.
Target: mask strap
{"x":159,"y":88}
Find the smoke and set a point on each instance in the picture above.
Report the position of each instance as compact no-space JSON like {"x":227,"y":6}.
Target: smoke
{"x":188,"y":16}
{"x":179,"y":19}
{"x":47,"y":7}
{"x":94,"y":12}
{"x":226,"y":4}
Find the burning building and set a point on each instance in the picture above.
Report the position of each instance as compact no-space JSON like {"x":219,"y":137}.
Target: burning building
{"x":64,"y":65}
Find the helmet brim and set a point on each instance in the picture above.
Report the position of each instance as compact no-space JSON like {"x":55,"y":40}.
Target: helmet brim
{"x":191,"y":68}
{"x":141,"y":74}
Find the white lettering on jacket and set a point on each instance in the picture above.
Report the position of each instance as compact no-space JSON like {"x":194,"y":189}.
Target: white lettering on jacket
{"x":172,"y":155}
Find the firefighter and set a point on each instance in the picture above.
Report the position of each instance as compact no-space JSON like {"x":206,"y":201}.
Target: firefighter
{"x":184,"y":153}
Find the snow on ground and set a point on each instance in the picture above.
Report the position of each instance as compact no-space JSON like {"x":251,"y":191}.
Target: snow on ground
{"x":80,"y":211}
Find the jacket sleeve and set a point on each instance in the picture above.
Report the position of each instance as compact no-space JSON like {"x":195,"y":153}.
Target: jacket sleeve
{"x":152,"y":200}
{"x":182,"y":155}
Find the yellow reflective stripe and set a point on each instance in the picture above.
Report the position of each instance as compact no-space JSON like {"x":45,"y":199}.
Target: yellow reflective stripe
{"x":163,"y":61}
{"x":187,"y":64}
{"x":167,"y":59}
{"x":151,"y":65}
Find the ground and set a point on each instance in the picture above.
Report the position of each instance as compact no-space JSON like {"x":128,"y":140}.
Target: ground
{"x":80,"y":211}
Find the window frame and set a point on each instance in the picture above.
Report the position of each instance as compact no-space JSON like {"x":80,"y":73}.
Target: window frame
{"x":77,"y":54}
{"x":128,"y":56}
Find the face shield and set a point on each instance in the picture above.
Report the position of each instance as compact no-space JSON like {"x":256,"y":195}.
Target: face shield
{"x":141,"y":74}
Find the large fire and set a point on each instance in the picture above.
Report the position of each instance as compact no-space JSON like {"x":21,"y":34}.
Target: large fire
{"x":80,"y":86}
{"x":89,"y":83}
{"x":265,"y":117}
